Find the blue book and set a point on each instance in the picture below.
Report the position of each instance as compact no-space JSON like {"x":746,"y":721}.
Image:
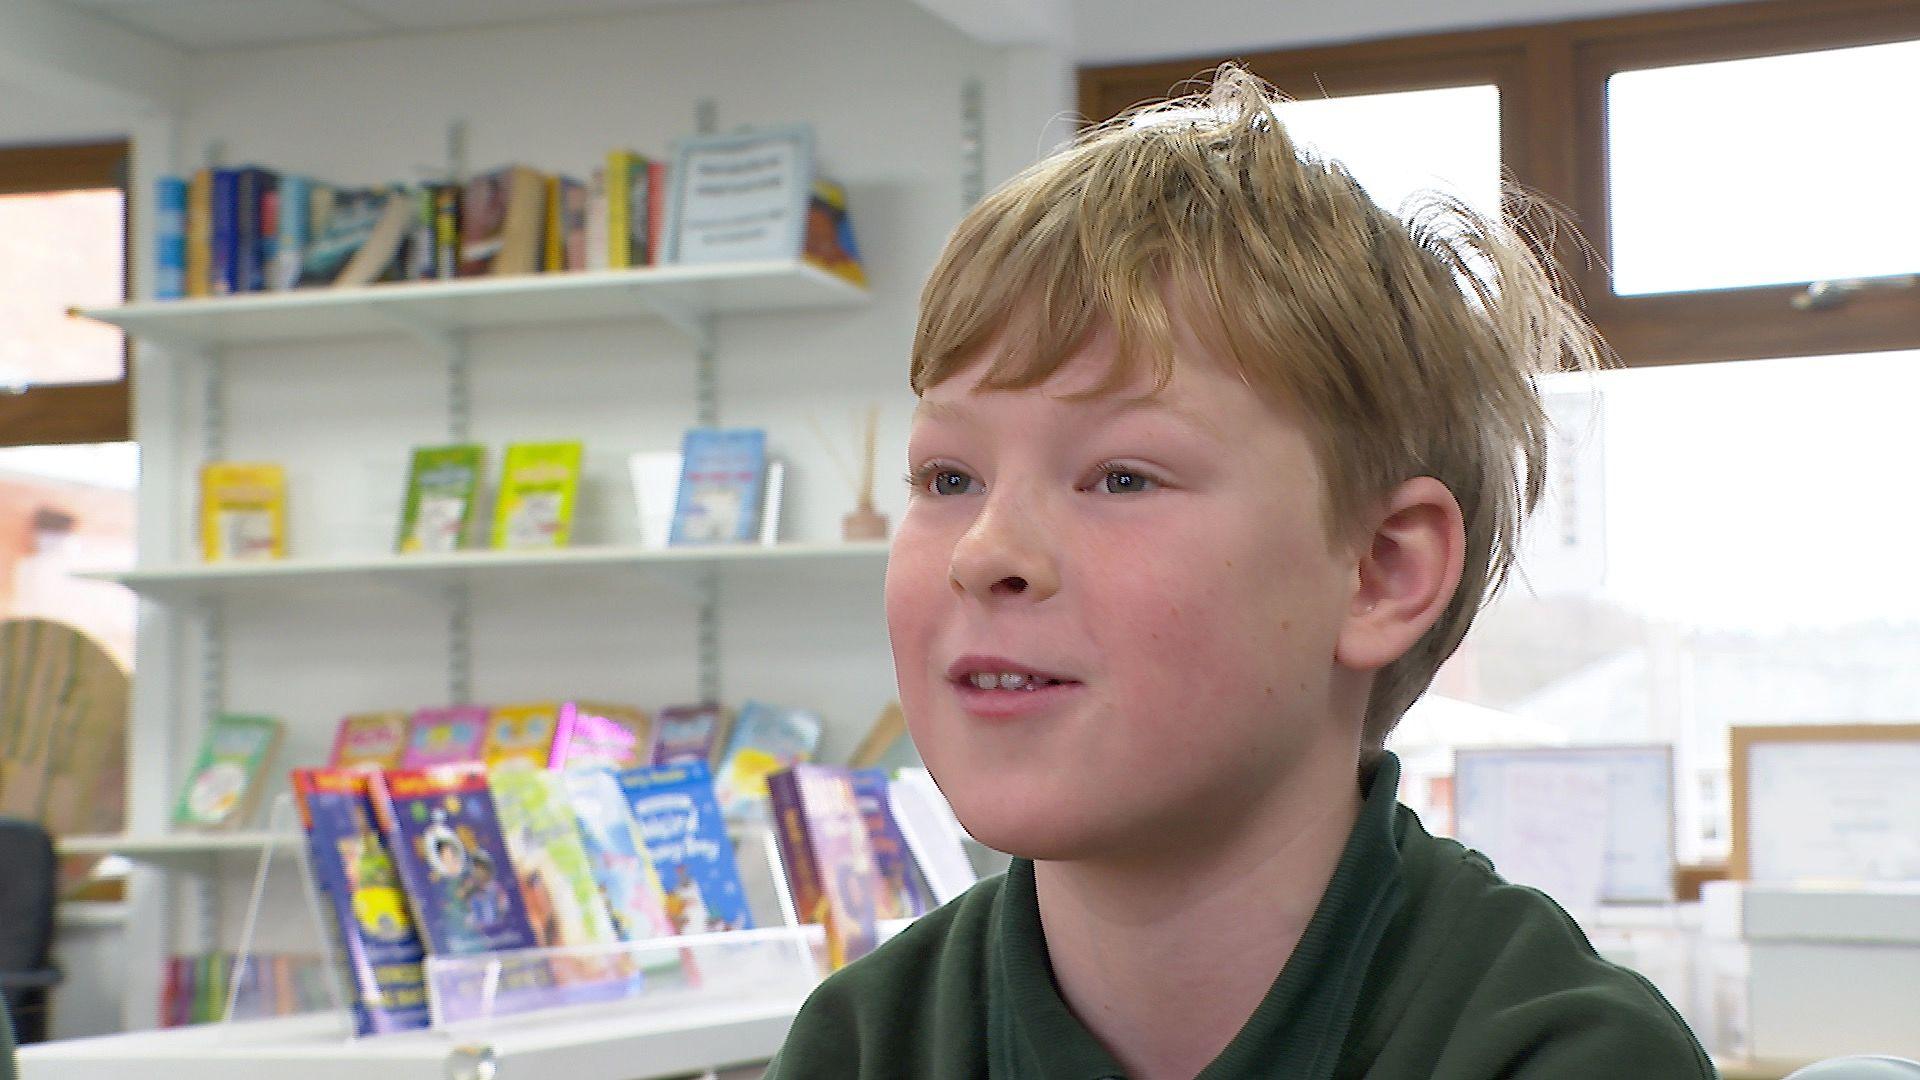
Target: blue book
{"x":224,"y":233}
{"x":169,"y":238}
{"x":296,"y":215}
{"x":256,"y":190}
{"x":722,"y":473}
{"x":451,"y":854}
{"x":674,"y":808}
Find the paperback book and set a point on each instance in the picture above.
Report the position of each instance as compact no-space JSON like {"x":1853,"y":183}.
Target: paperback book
{"x":828,"y":862}
{"x":446,"y":736}
{"x":375,"y":948}
{"x":346,"y":222}
{"x":503,"y":216}
{"x":443,"y":494}
{"x":563,"y":900}
{"x":674,"y":809}
{"x":899,"y":892}
{"x":228,"y":774}
{"x":243,"y":511}
{"x":684,"y":734}
{"x":722,"y":473}
{"x":538,"y":485}
{"x":376,"y":740}
{"x":618,"y":855}
{"x":766,"y":738}
{"x":522,"y":735}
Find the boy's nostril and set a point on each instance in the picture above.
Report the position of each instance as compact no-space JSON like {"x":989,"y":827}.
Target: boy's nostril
{"x":1014,"y":584}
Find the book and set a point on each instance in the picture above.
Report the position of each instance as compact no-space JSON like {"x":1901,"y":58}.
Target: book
{"x":375,"y":740}
{"x":445,"y":736}
{"x":378,"y":256}
{"x":255,"y":204}
{"x":200,"y":233}
{"x":766,"y":738}
{"x":524,"y":734}
{"x":900,"y":892}
{"x":563,"y":900}
{"x":721,"y":474}
{"x":243,"y":511}
{"x":295,"y":224}
{"x":683,"y":734}
{"x":375,"y":947}
{"x":635,"y":738}
{"x":829,"y":243}
{"x":445,"y":202}
{"x":442,"y":500}
{"x":674,"y":809}
{"x":538,"y":485}
{"x":598,"y":257}
{"x":932,"y":833}
{"x":346,"y":219}
{"x":451,"y":857}
{"x":635,"y":195}
{"x":224,"y":232}
{"x":502,"y":217}
{"x":169,"y":238}
{"x":566,"y":231}
{"x":826,"y":857}
{"x":591,"y":735}
{"x":225,"y":781}
{"x":618,"y":855}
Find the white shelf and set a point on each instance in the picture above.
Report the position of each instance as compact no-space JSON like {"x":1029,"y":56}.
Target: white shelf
{"x":682,"y":565}
{"x":162,"y":846}
{"x":682,"y":295}
{"x":627,"y":1043}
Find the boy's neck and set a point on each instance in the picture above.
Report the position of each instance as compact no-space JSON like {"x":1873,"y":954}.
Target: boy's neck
{"x":1164,"y":961}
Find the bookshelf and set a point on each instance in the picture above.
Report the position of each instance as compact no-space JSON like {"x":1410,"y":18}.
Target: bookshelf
{"x":165,"y":847}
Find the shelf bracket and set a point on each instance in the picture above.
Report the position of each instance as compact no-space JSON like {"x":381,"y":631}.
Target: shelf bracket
{"x":459,"y":644}
{"x":697,"y":327}
{"x":709,"y":639}
{"x":439,"y":340}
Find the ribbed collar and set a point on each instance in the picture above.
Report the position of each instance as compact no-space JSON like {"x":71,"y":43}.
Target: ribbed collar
{"x":1299,"y":1027}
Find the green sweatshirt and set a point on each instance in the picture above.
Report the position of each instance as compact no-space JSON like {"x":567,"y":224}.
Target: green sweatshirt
{"x":1420,"y":962}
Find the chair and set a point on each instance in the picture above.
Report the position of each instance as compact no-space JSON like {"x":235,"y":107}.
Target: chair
{"x":1864,"y":1067}
{"x":27,"y":891}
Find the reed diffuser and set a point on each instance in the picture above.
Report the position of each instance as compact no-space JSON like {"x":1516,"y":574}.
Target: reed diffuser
{"x":866,"y":523}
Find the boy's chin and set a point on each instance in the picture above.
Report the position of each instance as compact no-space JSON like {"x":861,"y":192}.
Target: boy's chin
{"x":1028,"y":829}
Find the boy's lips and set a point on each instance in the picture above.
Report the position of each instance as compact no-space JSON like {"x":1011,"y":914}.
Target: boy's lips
{"x":995,"y":686}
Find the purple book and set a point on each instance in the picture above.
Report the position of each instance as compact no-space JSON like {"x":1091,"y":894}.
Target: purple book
{"x":828,"y":862}
{"x":902,"y":894}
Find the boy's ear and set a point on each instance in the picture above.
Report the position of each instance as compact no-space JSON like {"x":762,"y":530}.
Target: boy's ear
{"x":1407,"y":572}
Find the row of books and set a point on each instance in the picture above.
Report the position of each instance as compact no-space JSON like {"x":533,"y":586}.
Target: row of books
{"x":466,"y":860}
{"x":720,"y":488}
{"x":195,"y":989}
{"x":228,"y":231}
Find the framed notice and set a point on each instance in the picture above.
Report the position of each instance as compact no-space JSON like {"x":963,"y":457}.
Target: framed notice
{"x":1587,"y":825}
{"x":739,"y":197}
{"x":1826,"y":802}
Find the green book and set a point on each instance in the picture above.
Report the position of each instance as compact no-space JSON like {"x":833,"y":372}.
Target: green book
{"x":538,"y":485}
{"x":443,"y":494}
{"x":224,"y":784}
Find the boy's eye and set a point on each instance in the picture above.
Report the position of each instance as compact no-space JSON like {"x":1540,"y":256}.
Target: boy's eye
{"x":1115,"y":480}
{"x":941,"y":480}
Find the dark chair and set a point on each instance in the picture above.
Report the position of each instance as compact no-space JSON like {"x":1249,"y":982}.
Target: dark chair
{"x":28,"y":884}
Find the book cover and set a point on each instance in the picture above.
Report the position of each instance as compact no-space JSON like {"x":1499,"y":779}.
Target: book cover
{"x":200,"y":233}
{"x":721,"y":475}
{"x":538,"y":485}
{"x":557,"y":885}
{"x":634,"y":736}
{"x":296,"y":216}
{"x":379,"y":254}
{"x":443,"y":495}
{"x":621,"y":167}
{"x":228,"y":773}
{"x":522,"y":734}
{"x":502,"y":219}
{"x":243,"y":511}
{"x":375,"y":740}
{"x":617,"y":854}
{"x":899,"y":891}
{"x":169,"y":238}
{"x":255,"y":190}
{"x":349,"y":218}
{"x":374,"y":943}
{"x":224,"y":233}
{"x":766,"y":738}
{"x":828,"y":862}
{"x":829,"y":236}
{"x":674,"y":809}
{"x":586,"y":736}
{"x":684,"y":734}
{"x":566,"y":231}
{"x":451,"y":857}
{"x":453,"y":735}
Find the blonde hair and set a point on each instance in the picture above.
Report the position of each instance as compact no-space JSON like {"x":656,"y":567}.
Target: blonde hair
{"x":1412,"y":349}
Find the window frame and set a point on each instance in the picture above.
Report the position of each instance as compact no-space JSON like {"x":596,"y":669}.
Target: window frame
{"x":1552,"y":81}
{"x":74,"y":412}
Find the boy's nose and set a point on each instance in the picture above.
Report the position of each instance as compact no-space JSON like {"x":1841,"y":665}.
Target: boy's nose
{"x":1005,"y":555}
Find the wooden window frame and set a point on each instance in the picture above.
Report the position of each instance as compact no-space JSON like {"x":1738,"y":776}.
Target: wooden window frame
{"x":74,"y":412}
{"x":1552,"y":83}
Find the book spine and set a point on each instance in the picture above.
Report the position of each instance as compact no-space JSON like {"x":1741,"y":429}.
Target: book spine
{"x":795,"y":844}
{"x":199,"y":233}
{"x":271,"y":207}
{"x":169,"y":238}
{"x":446,"y":231}
{"x":656,"y":212}
{"x":247,"y":231}
{"x":224,"y":233}
{"x":619,"y":209}
{"x":296,"y":211}
{"x":553,"y":254}
{"x":597,"y":258}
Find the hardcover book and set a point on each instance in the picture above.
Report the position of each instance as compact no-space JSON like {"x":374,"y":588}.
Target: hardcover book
{"x":503,"y":215}
{"x":376,"y":740}
{"x":443,"y":494}
{"x":447,"y":846}
{"x":674,"y":809}
{"x":538,"y":486}
{"x":899,"y":892}
{"x":828,"y":862}
{"x":446,"y":736}
{"x":683,"y":734}
{"x":721,"y":476}
{"x":243,"y":511}
{"x":228,"y":774}
{"x":766,"y":738}
{"x":374,"y":943}
{"x":563,"y":900}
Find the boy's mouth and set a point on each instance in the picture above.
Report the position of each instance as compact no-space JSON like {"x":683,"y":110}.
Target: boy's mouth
{"x":994,"y":673}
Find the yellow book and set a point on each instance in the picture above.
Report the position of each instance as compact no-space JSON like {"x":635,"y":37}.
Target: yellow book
{"x":620,"y":166}
{"x":243,"y":511}
{"x":554,"y":253}
{"x":538,"y":485}
{"x":522,"y":734}
{"x":199,"y":233}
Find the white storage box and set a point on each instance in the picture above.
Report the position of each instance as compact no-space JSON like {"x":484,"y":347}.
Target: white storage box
{"x":1833,"y":971}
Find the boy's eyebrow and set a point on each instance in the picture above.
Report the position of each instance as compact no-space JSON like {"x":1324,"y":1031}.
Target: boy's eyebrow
{"x":958,"y":413}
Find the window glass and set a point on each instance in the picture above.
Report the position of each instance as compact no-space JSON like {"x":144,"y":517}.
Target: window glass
{"x":60,"y":250}
{"x":1400,"y":143}
{"x":65,"y":509}
{"x":1764,"y":171}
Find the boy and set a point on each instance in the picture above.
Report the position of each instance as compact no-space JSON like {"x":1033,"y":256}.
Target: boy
{"x":1214,"y":463}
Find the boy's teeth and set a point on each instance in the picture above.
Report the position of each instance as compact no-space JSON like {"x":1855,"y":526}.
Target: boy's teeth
{"x":1006,"y":680}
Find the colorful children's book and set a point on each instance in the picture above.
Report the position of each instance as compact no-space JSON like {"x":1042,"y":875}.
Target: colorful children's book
{"x":828,"y":862}
{"x":503,"y":215}
{"x":538,"y":485}
{"x":636,"y":201}
{"x":375,"y":740}
{"x":556,"y":878}
{"x":443,"y":495}
{"x":722,"y":473}
{"x":674,"y":809}
{"x":227,"y":776}
{"x":445,"y":838}
{"x":169,"y":238}
{"x":588,"y":736}
{"x":447,"y":736}
{"x":243,"y":511}
{"x":901,"y":892}
{"x":632,"y":741}
{"x":766,"y":738}
{"x":618,"y":855}
{"x":566,"y":231}
{"x":374,"y":943}
{"x":683,"y":734}
{"x":522,"y":734}
{"x":829,"y":237}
